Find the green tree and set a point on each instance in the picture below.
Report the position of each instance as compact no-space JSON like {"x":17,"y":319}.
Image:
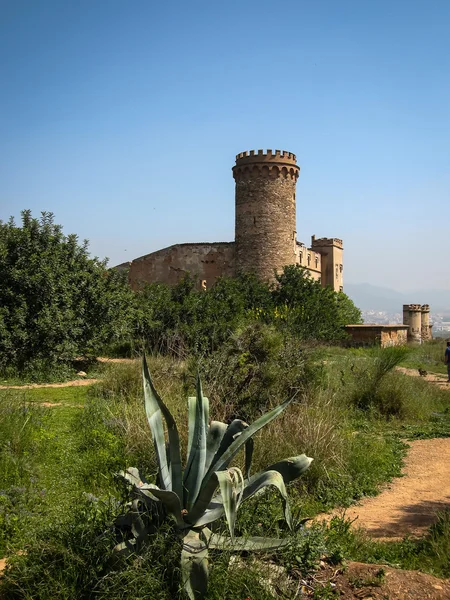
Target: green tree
{"x":310,"y":310}
{"x":55,"y":301}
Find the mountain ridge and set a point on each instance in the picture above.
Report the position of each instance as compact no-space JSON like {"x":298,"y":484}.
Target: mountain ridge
{"x":371,"y":297}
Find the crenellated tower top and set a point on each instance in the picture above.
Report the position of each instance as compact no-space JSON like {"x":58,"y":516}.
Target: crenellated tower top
{"x":270,"y":164}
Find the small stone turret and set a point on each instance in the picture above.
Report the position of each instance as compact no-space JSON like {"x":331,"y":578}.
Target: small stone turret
{"x":426,"y":327}
{"x":265,"y":234}
{"x":417,"y":317}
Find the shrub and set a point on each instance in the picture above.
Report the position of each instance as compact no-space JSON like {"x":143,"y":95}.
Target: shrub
{"x":370,"y":375}
{"x":255,"y":366}
{"x":55,"y":302}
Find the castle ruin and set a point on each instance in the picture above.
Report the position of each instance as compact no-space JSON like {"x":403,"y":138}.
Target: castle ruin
{"x":265,"y":234}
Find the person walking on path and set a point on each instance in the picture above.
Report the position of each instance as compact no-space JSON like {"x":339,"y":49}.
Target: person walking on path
{"x":447,"y":359}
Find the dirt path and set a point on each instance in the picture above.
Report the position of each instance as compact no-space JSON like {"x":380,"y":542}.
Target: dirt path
{"x":438,"y":379}
{"x":73,"y":383}
{"x":32,"y":386}
{"x":409,"y":504}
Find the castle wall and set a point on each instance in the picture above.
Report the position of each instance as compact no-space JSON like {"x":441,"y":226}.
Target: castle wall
{"x":204,"y":261}
{"x":377,"y":335}
{"x":311,"y":260}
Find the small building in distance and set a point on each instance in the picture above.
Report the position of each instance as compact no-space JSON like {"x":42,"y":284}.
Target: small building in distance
{"x":265,"y":234}
{"x":415,"y":328}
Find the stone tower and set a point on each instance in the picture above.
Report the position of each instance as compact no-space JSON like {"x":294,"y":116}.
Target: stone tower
{"x":265,"y":234}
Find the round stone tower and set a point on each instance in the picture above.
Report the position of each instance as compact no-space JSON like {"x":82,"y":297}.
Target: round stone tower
{"x":265,"y":235}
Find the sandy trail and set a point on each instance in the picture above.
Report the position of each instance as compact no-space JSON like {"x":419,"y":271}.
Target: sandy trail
{"x":73,"y":383}
{"x":32,"y":386}
{"x":409,"y":504}
{"x":438,"y":379}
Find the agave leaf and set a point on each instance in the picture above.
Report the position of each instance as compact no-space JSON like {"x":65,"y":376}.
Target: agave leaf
{"x":241,"y":439}
{"x":290,"y":468}
{"x":203,"y":501}
{"x":192,"y":405}
{"x":249,"y":446}
{"x":262,"y":480}
{"x":170,"y":500}
{"x":229,"y":498}
{"x":138,"y":528}
{"x":195,"y":467}
{"x":213,"y":512}
{"x":243,"y":544}
{"x":215,"y":434}
{"x":133,"y":476}
{"x":234,"y":429}
{"x":216,"y":509}
{"x":194,"y":566}
{"x":125,"y":548}
{"x":171,"y":478}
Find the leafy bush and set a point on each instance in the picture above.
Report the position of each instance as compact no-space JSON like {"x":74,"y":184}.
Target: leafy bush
{"x":55,"y":302}
{"x":181,"y":318}
{"x":255,"y":366}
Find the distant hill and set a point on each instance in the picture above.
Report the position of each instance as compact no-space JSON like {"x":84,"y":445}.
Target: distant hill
{"x":372,"y":297}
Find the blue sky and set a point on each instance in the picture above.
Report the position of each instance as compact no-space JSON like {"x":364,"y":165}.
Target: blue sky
{"x":124,"y":119}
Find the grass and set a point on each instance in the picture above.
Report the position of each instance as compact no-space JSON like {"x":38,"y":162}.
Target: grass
{"x":58,"y":494}
{"x":428,"y":356}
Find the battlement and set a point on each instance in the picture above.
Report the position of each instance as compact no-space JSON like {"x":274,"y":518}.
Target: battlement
{"x":412,"y":307}
{"x":252,"y":156}
{"x":321,"y":242}
{"x":425,"y":308}
{"x":272,"y":164}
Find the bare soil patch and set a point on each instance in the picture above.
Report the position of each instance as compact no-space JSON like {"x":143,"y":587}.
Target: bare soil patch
{"x":32,"y":386}
{"x":356,"y":581}
{"x":116,"y":360}
{"x":438,"y":379}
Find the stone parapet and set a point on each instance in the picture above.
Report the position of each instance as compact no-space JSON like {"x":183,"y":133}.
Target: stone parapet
{"x":322,"y":242}
{"x":270,"y":164}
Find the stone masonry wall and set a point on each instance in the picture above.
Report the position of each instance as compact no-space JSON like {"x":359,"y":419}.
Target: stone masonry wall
{"x":204,"y":261}
{"x":265,"y":233}
{"x":377,"y":335}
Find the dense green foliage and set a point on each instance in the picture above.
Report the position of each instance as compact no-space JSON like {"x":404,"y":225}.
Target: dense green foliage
{"x":55,"y":302}
{"x":181,"y":318}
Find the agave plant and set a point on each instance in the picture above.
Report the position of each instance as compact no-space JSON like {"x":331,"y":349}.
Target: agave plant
{"x":207,"y":488}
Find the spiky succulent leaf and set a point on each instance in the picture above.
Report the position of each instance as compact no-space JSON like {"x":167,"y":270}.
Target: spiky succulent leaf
{"x":171,"y":501}
{"x":231,"y":487}
{"x":291,"y":468}
{"x":243,"y":544}
{"x":216,"y":432}
{"x":195,"y":468}
{"x":132,"y":475}
{"x":216,"y":508}
{"x":249,"y":447}
{"x":138,"y":528}
{"x":125,"y":548}
{"x":262,"y":480}
{"x":194,"y":566}
{"x":213,"y":512}
{"x":241,"y":439}
{"x":234,"y":429}
{"x":171,"y":477}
